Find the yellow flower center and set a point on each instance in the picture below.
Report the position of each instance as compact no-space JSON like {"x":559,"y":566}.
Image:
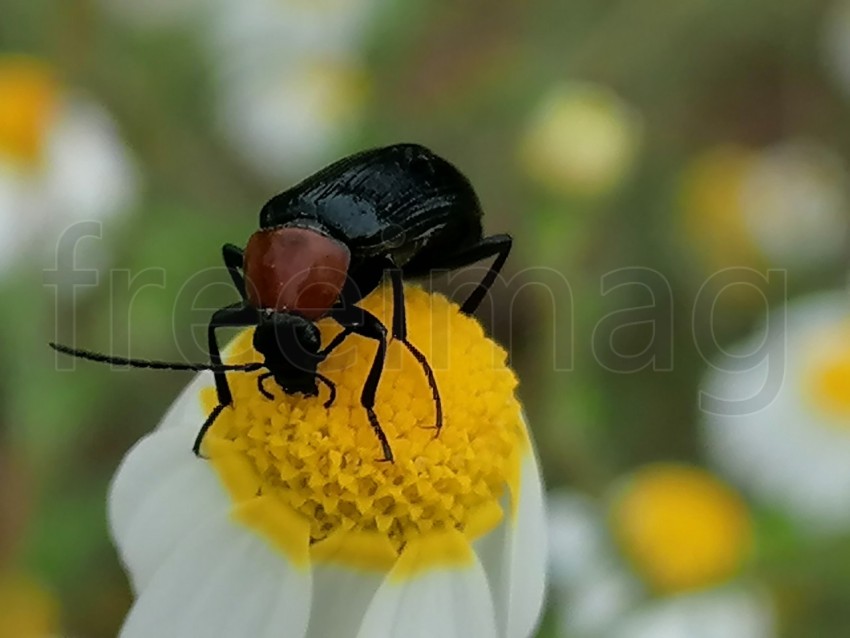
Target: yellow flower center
{"x":335,"y":91}
{"x":827,"y":375}
{"x":26,"y":609}
{"x":28,"y":96}
{"x":310,"y":478}
{"x":681,"y":527}
{"x":712,"y":207}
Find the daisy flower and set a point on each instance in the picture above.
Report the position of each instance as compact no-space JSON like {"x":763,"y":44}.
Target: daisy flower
{"x":291,"y":116}
{"x":292,"y":526}
{"x":581,"y":139}
{"x":783,"y":429}
{"x":660,"y":559}
{"x":785,"y":204}
{"x":289,"y":78}
{"x":795,"y":206}
{"x":61,"y":159}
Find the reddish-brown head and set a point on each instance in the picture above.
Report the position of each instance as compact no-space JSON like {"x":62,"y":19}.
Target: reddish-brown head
{"x":295,"y":270}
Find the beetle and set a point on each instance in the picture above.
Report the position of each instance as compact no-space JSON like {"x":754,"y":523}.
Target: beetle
{"x":393,"y":212}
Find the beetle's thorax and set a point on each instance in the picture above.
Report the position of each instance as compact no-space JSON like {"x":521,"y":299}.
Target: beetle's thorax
{"x":296,"y":270}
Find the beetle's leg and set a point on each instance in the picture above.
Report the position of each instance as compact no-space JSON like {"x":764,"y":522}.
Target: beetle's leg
{"x":262,"y":388}
{"x":331,"y":387}
{"x":335,"y":343}
{"x":399,"y":333}
{"x":230,"y":316}
{"x":234,"y":260}
{"x":499,"y":245}
{"x":361,"y":322}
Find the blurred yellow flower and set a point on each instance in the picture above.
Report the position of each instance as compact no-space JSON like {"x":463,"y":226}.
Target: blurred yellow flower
{"x":27,"y":610}
{"x":681,"y":526}
{"x":581,"y":139}
{"x":598,"y":594}
{"x":710,"y":200}
{"x":28,"y":101}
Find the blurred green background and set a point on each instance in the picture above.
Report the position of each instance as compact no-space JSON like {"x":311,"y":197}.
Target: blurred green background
{"x":633,"y":149}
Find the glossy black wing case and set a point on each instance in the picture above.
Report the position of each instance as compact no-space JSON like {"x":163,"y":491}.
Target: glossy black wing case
{"x":399,"y":200}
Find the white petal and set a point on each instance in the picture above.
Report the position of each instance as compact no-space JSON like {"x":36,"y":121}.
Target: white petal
{"x":262,"y":33}
{"x":515,"y":556}
{"x":577,"y":538}
{"x":712,"y":614}
{"x":595,"y":605}
{"x":21,"y":213}
{"x":449,"y":603}
{"x":223,"y":581}
{"x":187,"y":411}
{"x":161,"y":493}
{"x":340,"y":599}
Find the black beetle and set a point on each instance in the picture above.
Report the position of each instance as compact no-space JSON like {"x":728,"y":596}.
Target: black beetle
{"x":398,"y":211}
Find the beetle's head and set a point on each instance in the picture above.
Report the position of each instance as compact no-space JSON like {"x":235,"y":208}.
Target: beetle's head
{"x":290,"y":346}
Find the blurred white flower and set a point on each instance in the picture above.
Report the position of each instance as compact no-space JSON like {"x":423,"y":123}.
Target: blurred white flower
{"x":61,"y":160}
{"x":581,"y":139}
{"x":780,"y":426}
{"x":289,"y":120}
{"x":289,"y":79}
{"x":659,"y":556}
{"x":717,"y":613}
{"x":786,"y":205}
{"x":795,"y":205}
{"x":278,"y":32}
{"x":590,"y":586}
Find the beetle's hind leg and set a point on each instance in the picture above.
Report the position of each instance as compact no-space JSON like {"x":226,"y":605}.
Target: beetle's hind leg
{"x":399,"y":333}
{"x":498,"y":245}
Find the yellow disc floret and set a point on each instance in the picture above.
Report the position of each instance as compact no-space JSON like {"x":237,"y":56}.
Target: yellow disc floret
{"x":311,"y":478}
{"x":826,"y":374}
{"x":681,"y":527}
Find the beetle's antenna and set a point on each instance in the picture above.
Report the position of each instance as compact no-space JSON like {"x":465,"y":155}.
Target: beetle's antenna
{"x":153,"y":365}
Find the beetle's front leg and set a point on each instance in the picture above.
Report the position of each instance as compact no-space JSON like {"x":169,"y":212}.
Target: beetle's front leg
{"x":235,"y":315}
{"x":234,"y":261}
